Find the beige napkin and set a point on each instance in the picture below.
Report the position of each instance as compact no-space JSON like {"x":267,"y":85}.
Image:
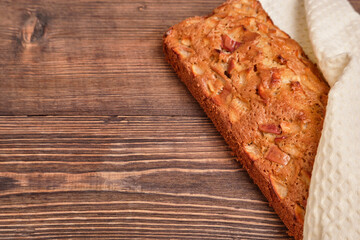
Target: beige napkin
{"x":329,"y":32}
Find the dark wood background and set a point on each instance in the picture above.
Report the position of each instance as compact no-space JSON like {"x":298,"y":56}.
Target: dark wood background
{"x":100,"y":139}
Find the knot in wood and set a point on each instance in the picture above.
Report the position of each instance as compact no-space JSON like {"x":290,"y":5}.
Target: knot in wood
{"x":33,"y":29}
{"x":142,"y":7}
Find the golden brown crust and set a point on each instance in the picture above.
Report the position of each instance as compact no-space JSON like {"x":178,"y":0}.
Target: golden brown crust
{"x":262,"y":93}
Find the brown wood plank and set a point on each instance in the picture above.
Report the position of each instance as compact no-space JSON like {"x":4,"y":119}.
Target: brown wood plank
{"x":91,"y":57}
{"x":355,"y":4}
{"x":125,"y":176}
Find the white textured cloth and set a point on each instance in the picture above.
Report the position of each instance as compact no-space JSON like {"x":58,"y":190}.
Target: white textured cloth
{"x":329,"y":32}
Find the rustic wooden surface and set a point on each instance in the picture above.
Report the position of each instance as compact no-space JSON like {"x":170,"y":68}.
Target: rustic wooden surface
{"x":98,"y":137}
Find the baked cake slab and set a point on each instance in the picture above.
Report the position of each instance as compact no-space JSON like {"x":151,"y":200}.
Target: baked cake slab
{"x":261,"y":92}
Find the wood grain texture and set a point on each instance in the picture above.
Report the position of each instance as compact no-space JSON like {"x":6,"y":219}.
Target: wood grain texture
{"x":100,"y":140}
{"x":92,"y":57}
{"x":122,"y":177}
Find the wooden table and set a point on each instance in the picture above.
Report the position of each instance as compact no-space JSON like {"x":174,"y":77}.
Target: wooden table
{"x":100,"y":139}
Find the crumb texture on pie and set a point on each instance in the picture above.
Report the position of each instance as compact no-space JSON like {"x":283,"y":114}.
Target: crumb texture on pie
{"x":262,"y":93}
